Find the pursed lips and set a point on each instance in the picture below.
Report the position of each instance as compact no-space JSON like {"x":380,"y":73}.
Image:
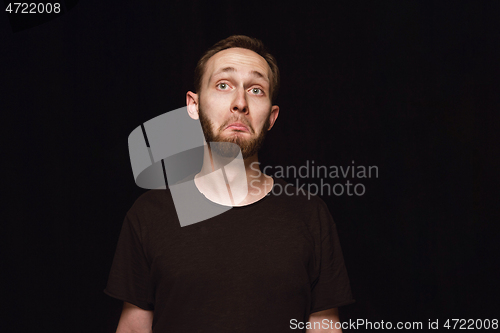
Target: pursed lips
{"x":238,"y":127}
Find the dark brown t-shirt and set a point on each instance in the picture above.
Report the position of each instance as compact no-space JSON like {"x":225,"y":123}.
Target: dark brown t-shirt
{"x":253,"y":268}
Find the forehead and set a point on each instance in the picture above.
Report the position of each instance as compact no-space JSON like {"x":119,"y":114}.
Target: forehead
{"x":243,"y":60}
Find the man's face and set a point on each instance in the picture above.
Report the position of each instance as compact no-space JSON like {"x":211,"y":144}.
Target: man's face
{"x":234,"y":102}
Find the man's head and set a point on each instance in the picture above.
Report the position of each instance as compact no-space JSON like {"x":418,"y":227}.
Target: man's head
{"x":244,"y":42}
{"x":236,"y":81}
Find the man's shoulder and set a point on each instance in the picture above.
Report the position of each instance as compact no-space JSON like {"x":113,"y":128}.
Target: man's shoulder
{"x":152,"y":200}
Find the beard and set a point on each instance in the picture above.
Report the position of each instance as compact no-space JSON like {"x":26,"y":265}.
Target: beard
{"x":249,"y":147}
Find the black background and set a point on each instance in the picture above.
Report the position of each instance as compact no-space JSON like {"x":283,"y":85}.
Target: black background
{"x":408,"y":86}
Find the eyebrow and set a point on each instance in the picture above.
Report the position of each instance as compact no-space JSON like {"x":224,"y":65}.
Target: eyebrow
{"x":232,"y":69}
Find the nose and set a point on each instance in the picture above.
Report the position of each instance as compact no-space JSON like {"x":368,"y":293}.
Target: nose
{"x":239,"y":103}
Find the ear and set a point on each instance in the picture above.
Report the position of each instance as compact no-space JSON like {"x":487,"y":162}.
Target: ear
{"x":275,"y":110}
{"x":192,"y":104}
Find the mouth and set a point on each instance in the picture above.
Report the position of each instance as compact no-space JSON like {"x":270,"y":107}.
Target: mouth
{"x":237,"y":127}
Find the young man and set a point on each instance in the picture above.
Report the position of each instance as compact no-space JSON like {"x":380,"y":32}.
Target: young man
{"x":272,"y":263}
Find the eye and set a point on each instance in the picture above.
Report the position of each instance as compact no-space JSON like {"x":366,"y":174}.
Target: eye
{"x":257,"y":91}
{"x":222,"y":86}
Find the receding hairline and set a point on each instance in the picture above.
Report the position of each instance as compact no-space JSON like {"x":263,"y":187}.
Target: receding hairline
{"x":229,"y":68}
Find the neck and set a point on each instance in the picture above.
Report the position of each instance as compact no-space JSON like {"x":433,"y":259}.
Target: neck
{"x":232,"y":181}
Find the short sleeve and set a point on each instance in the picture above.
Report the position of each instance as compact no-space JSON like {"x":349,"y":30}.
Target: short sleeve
{"x":332,"y":288}
{"x":129,"y":279}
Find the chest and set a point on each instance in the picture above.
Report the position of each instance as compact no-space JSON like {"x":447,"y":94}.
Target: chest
{"x":235,"y":251}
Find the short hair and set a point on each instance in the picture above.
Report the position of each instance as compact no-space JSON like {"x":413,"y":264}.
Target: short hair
{"x":245,"y":42}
